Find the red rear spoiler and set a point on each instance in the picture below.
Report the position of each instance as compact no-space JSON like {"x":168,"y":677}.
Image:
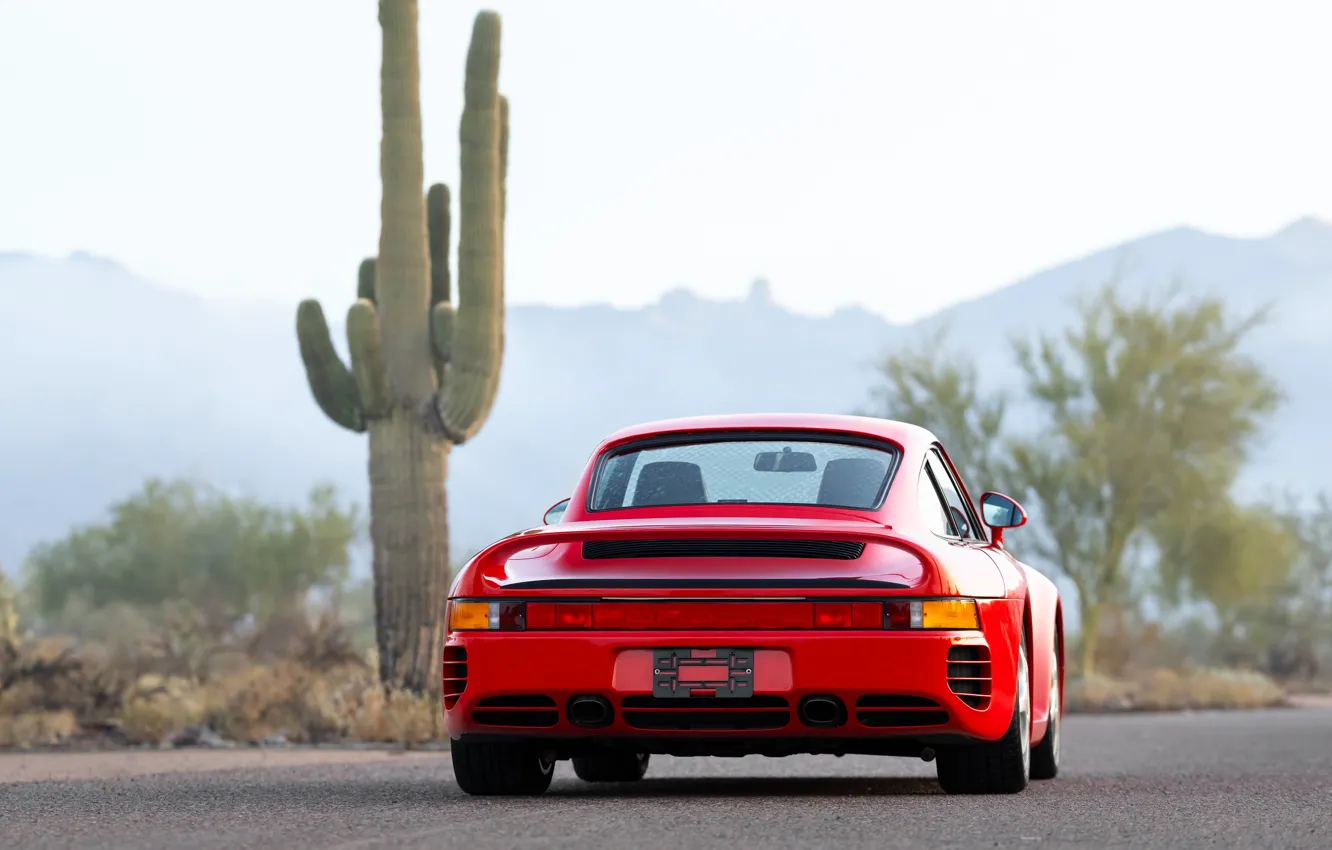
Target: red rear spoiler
{"x":490,"y":562}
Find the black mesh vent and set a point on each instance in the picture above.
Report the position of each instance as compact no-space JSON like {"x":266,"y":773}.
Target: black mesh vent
{"x":887,"y":711}
{"x":969,"y":675}
{"x":527,"y":718}
{"x":526,"y":710}
{"x":709,"y":721}
{"x":901,"y":719}
{"x":833,"y":550}
{"x":683,"y":703}
{"x":706,"y":713}
{"x":968,"y":653}
{"x":895,"y":701}
{"x":454,"y":674}
{"x":517,"y":701}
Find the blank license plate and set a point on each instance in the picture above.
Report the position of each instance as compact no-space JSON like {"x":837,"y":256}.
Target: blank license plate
{"x":725,"y":672}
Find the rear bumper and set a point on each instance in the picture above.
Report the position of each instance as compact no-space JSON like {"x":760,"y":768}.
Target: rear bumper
{"x":921,"y":686}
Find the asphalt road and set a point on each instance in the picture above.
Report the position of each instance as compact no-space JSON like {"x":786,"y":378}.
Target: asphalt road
{"x":1215,"y":780}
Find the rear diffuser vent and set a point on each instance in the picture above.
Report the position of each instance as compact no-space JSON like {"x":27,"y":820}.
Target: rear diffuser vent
{"x":832,"y":550}
{"x":455,"y":674}
{"x":527,"y":710}
{"x":969,"y":675}
{"x":888,"y":711}
{"x":706,"y":713}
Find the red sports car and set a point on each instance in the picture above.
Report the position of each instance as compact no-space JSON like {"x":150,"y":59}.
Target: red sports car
{"x":770,"y":584}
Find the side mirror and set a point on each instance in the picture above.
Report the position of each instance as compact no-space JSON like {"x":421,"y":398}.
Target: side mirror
{"x":1000,"y":512}
{"x":555,"y":512}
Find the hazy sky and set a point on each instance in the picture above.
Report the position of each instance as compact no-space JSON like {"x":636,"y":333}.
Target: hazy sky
{"x":898,"y":155}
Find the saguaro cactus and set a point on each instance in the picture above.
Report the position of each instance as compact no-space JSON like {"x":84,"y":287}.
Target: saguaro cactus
{"x":423,"y":372}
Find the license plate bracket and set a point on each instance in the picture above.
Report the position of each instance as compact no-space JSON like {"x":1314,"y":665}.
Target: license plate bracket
{"x":683,"y":672}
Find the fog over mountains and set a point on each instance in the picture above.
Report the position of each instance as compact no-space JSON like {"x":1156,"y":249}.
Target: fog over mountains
{"x":109,"y":379}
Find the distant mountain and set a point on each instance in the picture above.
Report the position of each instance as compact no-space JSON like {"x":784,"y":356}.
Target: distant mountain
{"x":109,"y":379}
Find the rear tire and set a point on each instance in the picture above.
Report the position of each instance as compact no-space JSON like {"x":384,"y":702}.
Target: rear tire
{"x":500,"y":768}
{"x":1045,"y":756}
{"x":994,"y":767}
{"x":611,"y":766}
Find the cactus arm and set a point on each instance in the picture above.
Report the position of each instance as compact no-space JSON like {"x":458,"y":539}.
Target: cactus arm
{"x":402,"y":273}
{"x":503,"y":175}
{"x":438,"y":225}
{"x":465,"y":399}
{"x":437,"y":233}
{"x":442,"y":317}
{"x":365,"y":280}
{"x":332,"y":384}
{"x":367,"y":358}
{"x":504,"y":197}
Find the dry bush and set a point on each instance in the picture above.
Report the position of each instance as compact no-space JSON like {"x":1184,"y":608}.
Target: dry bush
{"x":396,"y":717}
{"x":38,"y":729}
{"x":281,"y":699}
{"x":1315,"y":687}
{"x":293,"y":676}
{"x":157,"y":706}
{"x":1213,"y":688}
{"x":317,"y":643}
{"x":309,"y":684}
{"x":310,"y":706}
{"x":55,"y":674}
{"x":1098,"y":693}
{"x":1168,"y":690}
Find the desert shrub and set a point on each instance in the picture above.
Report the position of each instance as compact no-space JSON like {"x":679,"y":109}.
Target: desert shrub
{"x":37,"y":729}
{"x":157,"y":705}
{"x":1170,"y":690}
{"x":265,"y":700}
{"x":396,"y":717}
{"x":1098,"y":693}
{"x":1213,"y":688}
{"x":315,"y":641}
{"x":318,"y":706}
{"x":56,"y":674}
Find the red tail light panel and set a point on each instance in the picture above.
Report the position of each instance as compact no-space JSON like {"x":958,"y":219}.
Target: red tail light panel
{"x":631,"y":616}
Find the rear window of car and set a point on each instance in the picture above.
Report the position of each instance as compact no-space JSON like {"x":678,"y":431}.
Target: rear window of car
{"x":831,"y":471}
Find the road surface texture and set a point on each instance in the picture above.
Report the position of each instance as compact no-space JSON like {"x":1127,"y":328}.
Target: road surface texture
{"x":1215,"y":780}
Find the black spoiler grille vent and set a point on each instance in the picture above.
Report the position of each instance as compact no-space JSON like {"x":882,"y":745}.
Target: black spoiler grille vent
{"x":832,"y":550}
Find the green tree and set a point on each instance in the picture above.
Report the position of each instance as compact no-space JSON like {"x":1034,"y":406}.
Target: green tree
{"x":1143,"y":404}
{"x":1314,"y":568}
{"x":423,"y":374}
{"x":928,"y":386}
{"x":1238,"y":559}
{"x":1300,"y":618}
{"x":181,"y":540}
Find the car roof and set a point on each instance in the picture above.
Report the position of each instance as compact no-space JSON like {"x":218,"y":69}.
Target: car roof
{"x":903,"y":433}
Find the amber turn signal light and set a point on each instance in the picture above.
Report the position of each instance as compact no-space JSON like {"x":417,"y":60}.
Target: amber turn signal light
{"x":467,"y":615}
{"x":931,"y":614}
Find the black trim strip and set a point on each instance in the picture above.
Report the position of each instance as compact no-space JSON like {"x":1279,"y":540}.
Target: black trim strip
{"x":700,"y":583}
{"x":828,"y":550}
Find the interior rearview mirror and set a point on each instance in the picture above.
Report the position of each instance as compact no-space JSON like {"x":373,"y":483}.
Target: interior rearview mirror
{"x":555,"y":512}
{"x":785,"y":461}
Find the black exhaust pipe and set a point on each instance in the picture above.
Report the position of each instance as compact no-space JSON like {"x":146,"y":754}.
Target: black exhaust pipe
{"x":590,"y":711}
{"x":822,"y":710}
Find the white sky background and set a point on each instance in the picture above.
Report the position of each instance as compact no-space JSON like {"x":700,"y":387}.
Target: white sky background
{"x":903,"y":156}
